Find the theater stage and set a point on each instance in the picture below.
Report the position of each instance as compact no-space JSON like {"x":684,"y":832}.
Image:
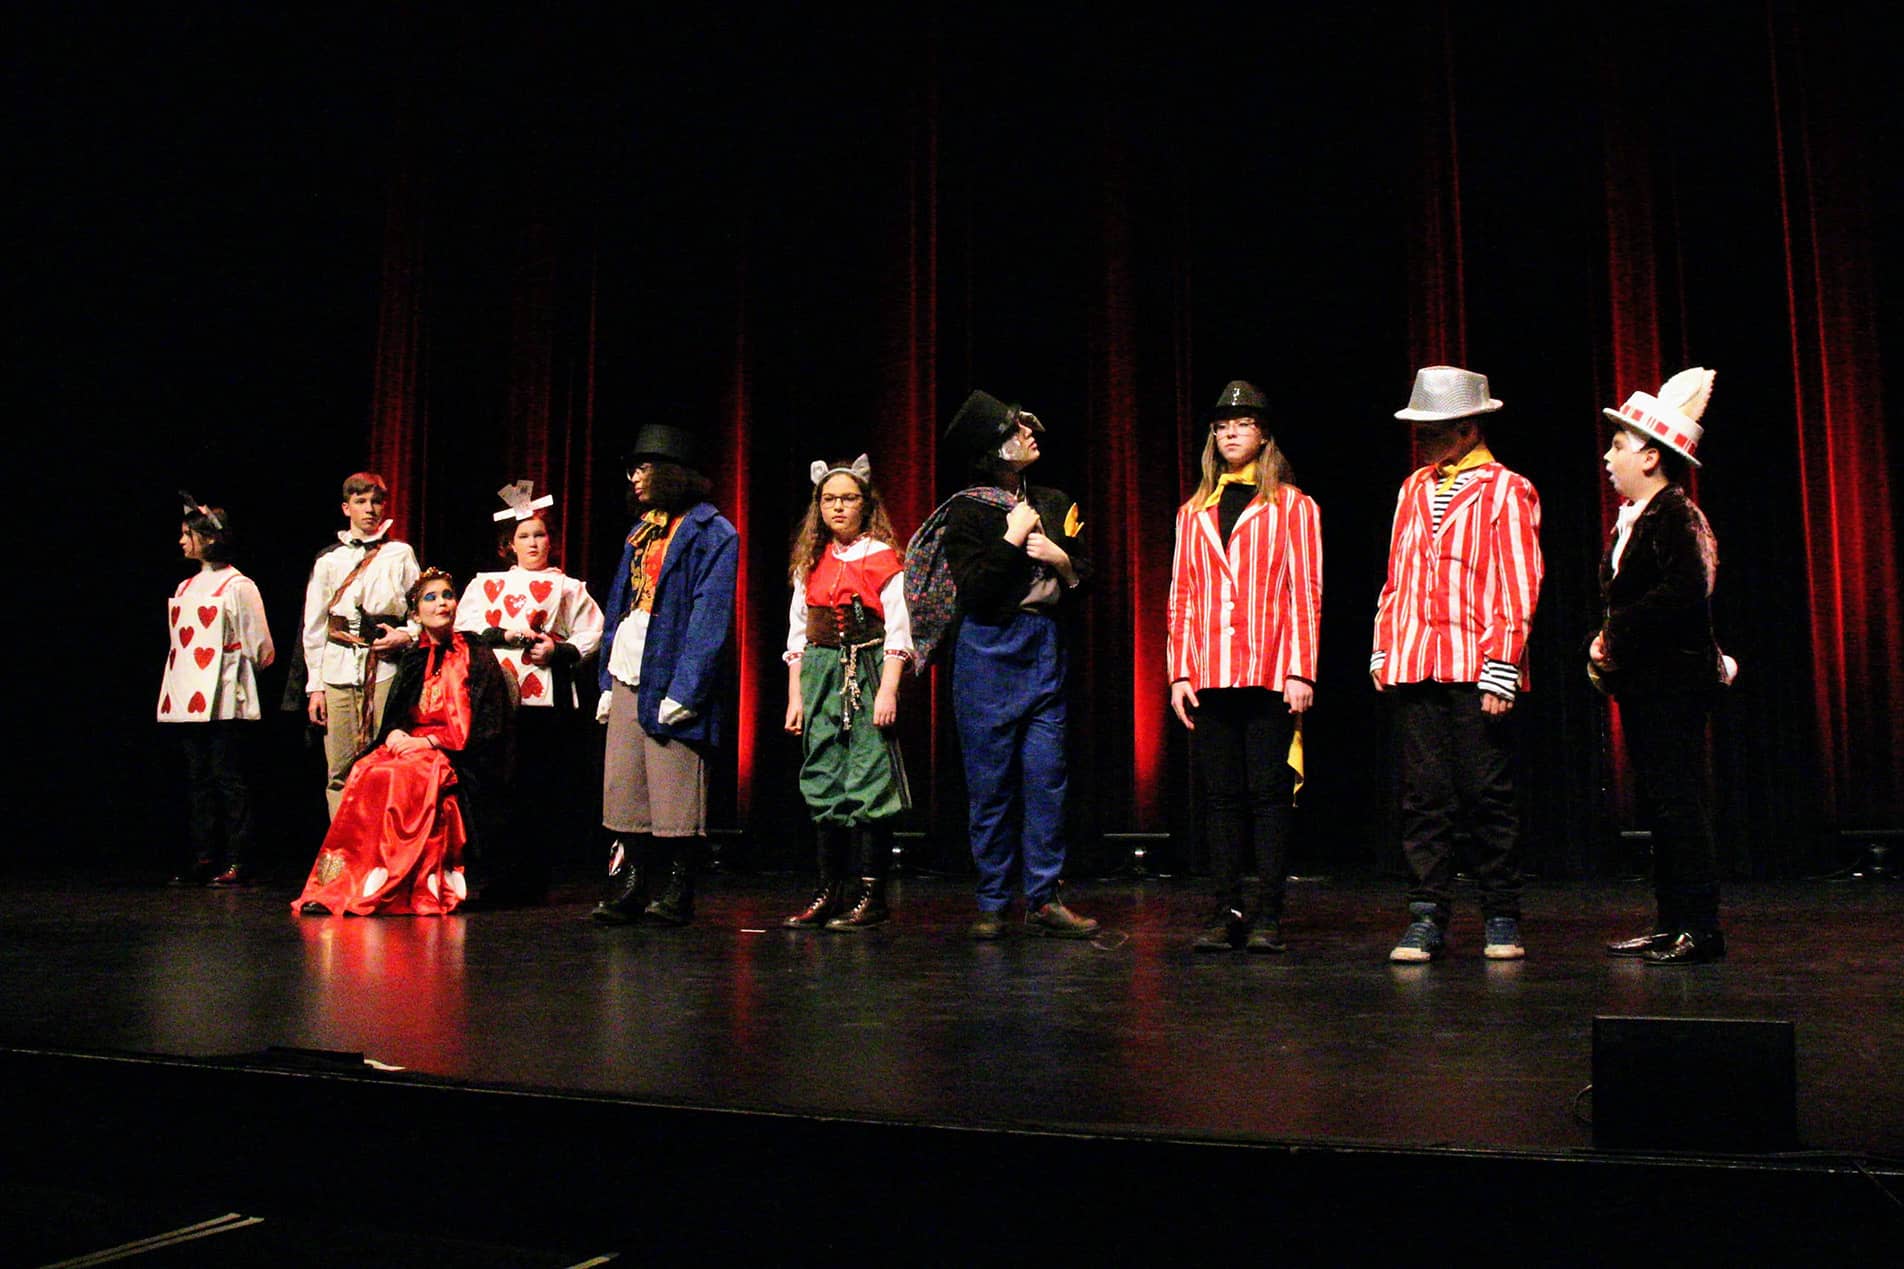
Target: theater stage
{"x":736,"y":1068}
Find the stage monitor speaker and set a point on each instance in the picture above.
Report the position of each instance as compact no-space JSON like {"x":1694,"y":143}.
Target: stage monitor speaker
{"x":1718,"y":1084}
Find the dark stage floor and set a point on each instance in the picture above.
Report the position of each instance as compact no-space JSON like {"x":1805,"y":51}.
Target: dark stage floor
{"x":1131,"y":1032}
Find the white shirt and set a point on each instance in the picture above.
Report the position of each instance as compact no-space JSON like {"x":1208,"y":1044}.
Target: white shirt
{"x":892,"y":602}
{"x":383,"y":587}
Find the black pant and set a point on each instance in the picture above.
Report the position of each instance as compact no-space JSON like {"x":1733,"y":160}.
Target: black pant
{"x":1458,"y":773}
{"x":1241,"y":751}
{"x":216,"y":763}
{"x":1666,"y":745}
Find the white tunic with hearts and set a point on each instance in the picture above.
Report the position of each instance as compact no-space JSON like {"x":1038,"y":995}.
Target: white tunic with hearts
{"x":217,"y":637}
{"x":527,"y":602}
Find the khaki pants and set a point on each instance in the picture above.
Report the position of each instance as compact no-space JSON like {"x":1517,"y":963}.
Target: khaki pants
{"x":341,"y":705}
{"x":648,"y":785}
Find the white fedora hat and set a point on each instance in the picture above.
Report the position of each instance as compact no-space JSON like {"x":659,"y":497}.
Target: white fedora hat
{"x":1671,"y":418}
{"x":1447,"y":392}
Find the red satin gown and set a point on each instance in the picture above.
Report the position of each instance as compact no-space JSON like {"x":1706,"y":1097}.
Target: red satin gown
{"x":396,"y":846}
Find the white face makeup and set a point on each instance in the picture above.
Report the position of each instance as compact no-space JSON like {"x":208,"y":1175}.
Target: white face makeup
{"x":1021,"y":448}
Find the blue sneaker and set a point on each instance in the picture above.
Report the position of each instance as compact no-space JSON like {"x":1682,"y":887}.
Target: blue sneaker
{"x":1503,"y":939}
{"x":1424,"y":938}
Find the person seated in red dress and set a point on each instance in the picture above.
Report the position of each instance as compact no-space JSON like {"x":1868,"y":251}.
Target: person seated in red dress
{"x":396,"y":845}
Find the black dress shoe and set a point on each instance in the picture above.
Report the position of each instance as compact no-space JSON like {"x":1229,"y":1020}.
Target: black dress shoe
{"x":1688,"y":948}
{"x":1643,"y":944}
{"x":311,"y":907}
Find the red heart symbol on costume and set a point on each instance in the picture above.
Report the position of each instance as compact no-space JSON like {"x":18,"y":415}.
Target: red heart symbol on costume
{"x":203,"y":656}
{"x":493,"y":616}
{"x":171,"y":658}
{"x":185,"y":636}
{"x":165,"y":706}
{"x":513,"y":603}
{"x":492,"y":588}
{"x":541,"y":591}
{"x":206,"y":614}
{"x":538,"y":619}
{"x":174,"y":609}
{"x":197,"y":704}
{"x":531,"y":686}
{"x":509,"y":668}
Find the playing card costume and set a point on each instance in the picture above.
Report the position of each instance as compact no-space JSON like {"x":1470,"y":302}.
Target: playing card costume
{"x":1245,"y":611}
{"x":969,"y":585}
{"x":509,"y":612}
{"x":1657,"y":656}
{"x":847,"y":619}
{"x":218,"y":639}
{"x":1451,"y":627}
{"x":396,"y":845}
{"x":668,"y":619}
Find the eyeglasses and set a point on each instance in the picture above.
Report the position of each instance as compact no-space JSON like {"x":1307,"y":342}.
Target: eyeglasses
{"x":841,"y":500}
{"x":639,"y":469}
{"x":1234,"y":425}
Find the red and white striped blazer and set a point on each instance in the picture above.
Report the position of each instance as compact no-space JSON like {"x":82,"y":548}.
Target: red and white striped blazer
{"x":1247,"y":616}
{"x":1463,"y":597}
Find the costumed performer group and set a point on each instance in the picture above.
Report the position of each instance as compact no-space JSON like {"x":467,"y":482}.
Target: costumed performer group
{"x":451,"y":726}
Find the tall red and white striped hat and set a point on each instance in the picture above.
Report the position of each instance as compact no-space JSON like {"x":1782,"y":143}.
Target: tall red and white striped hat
{"x":1671,"y":418}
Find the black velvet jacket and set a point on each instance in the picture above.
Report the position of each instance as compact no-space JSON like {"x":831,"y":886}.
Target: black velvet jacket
{"x":992,"y":576}
{"x":483,"y":765}
{"x":1658,"y":630}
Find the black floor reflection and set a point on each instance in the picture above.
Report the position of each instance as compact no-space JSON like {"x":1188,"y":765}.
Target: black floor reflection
{"x":916,"y":1022}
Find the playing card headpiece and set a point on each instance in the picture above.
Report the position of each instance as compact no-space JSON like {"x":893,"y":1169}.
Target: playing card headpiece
{"x":520,"y":501}
{"x":1443,"y":393}
{"x":1672,"y":418}
{"x":861,"y":469}
{"x":193,"y":507}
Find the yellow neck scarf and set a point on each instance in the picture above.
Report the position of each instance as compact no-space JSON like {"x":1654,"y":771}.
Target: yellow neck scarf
{"x":1472,"y":459}
{"x":1229,"y":478}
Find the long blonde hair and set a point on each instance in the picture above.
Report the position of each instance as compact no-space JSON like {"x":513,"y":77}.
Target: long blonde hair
{"x":1272,"y":469}
{"x":811,"y":538}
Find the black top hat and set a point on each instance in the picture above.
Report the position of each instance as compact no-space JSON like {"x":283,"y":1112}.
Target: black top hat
{"x":984,"y":422}
{"x":1240,"y":399}
{"x":668,"y":442}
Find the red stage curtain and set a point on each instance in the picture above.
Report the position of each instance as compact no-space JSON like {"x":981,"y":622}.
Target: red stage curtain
{"x":399,"y":429}
{"x":1841,"y":445}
